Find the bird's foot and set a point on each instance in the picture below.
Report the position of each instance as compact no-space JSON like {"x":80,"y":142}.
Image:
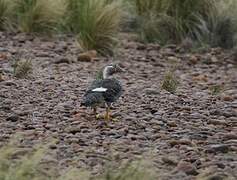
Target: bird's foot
{"x":109,"y":117}
{"x":99,"y":116}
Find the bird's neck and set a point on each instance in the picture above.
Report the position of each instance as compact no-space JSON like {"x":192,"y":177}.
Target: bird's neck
{"x":106,"y":73}
{"x":103,"y":74}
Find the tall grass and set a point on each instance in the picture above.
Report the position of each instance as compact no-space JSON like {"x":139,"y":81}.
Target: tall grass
{"x":169,"y":21}
{"x":220,"y":27}
{"x":97,"y":22}
{"x":5,"y":10}
{"x":98,"y":25}
{"x":36,"y":16}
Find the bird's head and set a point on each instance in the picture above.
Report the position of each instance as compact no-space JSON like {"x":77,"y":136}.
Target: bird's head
{"x":111,"y":69}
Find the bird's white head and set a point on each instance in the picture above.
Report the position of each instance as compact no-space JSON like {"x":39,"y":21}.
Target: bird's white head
{"x":111,"y":69}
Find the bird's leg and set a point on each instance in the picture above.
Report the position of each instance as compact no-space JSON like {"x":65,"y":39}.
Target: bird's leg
{"x":107,"y":114}
{"x":97,"y":116}
{"x":95,"y":111}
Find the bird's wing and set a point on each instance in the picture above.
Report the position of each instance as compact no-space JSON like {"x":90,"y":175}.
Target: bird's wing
{"x":108,"y":90}
{"x":94,"y":84}
{"x":113,"y":89}
{"x":93,"y":96}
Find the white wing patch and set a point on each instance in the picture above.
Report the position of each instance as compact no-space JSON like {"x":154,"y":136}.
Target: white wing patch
{"x":100,"y":89}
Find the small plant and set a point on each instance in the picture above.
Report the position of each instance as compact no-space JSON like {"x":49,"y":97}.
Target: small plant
{"x":96,"y":22}
{"x":170,"y":83}
{"x":216,"y":89}
{"x":22,"y":68}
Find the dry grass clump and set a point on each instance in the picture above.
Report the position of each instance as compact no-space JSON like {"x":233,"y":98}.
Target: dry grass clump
{"x":22,"y":68}
{"x":170,"y":83}
{"x":98,"y":25}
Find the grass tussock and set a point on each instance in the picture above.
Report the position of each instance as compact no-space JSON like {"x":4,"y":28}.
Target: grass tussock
{"x":22,"y":68}
{"x":36,"y":16}
{"x":173,"y":19}
{"x":30,"y":16}
{"x":167,"y":21}
{"x":170,"y":83}
{"x":220,"y":27}
{"x":98,"y":25}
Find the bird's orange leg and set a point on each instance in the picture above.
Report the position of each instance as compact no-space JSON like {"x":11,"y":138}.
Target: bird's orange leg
{"x":97,"y":116}
{"x":107,"y":114}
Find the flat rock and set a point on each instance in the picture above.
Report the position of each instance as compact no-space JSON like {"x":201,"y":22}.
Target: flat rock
{"x":217,"y":148}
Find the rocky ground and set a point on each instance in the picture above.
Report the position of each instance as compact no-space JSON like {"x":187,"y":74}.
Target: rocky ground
{"x":188,"y":134}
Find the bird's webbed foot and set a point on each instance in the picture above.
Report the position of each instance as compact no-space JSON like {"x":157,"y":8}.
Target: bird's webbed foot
{"x":99,"y":116}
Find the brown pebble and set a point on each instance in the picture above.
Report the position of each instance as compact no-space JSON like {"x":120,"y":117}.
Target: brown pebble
{"x":87,"y":56}
{"x":227,"y":98}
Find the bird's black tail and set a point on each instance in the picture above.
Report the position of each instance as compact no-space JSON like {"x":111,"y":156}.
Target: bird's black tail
{"x":87,"y":101}
{"x":91,"y":99}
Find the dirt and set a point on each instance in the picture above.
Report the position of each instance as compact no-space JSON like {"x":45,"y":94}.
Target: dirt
{"x":186,"y":134}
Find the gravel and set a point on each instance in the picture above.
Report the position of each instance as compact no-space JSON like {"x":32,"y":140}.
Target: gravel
{"x":184,"y":133}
